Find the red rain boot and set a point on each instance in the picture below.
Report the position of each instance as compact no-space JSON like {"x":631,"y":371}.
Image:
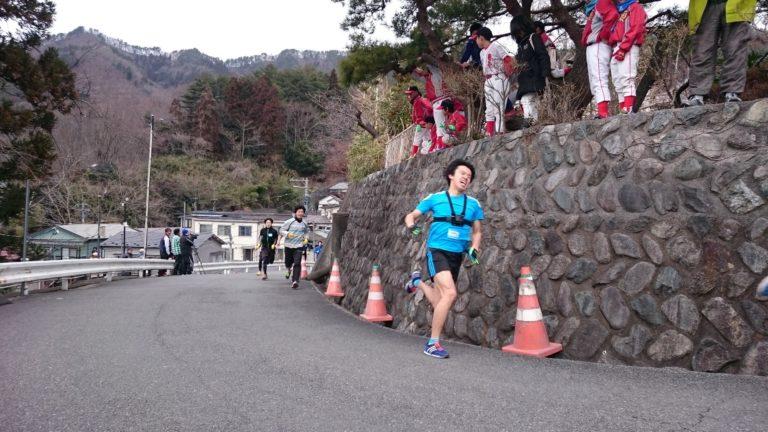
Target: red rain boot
{"x":602,"y":109}
{"x":490,"y":128}
{"x":629,"y":104}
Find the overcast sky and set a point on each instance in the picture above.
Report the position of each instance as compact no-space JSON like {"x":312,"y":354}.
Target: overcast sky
{"x":224,"y":28}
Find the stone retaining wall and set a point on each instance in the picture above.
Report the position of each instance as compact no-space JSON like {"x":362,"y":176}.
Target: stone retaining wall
{"x":647,"y":236}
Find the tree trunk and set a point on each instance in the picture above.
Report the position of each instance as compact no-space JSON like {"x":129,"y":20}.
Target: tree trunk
{"x":422,"y":21}
{"x":365,"y":126}
{"x":242,"y":143}
{"x":649,"y":78}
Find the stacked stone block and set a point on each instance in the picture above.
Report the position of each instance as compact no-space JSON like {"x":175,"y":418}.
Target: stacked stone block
{"x":647,"y":235}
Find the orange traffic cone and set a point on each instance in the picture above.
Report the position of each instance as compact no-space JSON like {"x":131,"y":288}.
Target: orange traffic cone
{"x":303,"y":268}
{"x":334,"y":283}
{"x":376,"y":309}
{"x":530,"y":334}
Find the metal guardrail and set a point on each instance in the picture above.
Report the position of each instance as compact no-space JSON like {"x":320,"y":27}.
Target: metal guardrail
{"x":31,"y":271}
{"x":35,"y":271}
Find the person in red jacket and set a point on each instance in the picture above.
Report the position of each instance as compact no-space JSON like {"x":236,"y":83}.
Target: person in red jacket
{"x":455,"y":123}
{"x":627,"y":36}
{"x":601,"y":16}
{"x":422,"y":109}
{"x":436,"y":91}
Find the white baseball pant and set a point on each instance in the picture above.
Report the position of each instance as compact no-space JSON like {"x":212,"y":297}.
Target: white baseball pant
{"x":598,"y":67}
{"x":623,"y":73}
{"x":440,"y":118}
{"x":496,"y":93}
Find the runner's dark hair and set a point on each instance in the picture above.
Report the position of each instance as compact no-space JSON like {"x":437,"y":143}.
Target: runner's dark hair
{"x":268,"y":219}
{"x":451,"y":169}
{"x":299,"y":207}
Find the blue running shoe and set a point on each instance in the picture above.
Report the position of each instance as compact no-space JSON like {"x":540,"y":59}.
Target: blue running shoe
{"x":410,"y":286}
{"x":435,"y":350}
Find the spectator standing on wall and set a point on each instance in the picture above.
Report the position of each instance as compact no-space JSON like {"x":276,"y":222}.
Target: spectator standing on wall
{"x":497,"y":66}
{"x":268,"y":242}
{"x":627,"y":36}
{"x":532,"y":63}
{"x":295,"y":231}
{"x":437,"y":92}
{"x":176,"y":251}
{"x":723,"y":23}
{"x":471,"y":55}
{"x":601,"y":16}
{"x":420,"y":109}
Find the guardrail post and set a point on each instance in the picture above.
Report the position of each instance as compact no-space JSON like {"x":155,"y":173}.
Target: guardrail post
{"x":108,"y":276}
{"x":64,"y":284}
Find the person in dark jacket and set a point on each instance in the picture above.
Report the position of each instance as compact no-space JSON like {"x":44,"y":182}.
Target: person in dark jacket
{"x":533,"y":65}
{"x":187,"y":243}
{"x":165,"y":249}
{"x":471,"y":55}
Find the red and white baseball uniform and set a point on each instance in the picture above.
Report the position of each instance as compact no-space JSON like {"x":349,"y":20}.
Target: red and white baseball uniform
{"x":497,"y":86}
{"x":596,"y":38}
{"x":626,"y":38}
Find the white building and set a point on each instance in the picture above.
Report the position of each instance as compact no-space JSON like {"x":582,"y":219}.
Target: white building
{"x":339,"y":189}
{"x":240,"y":230}
{"x":329,"y":205}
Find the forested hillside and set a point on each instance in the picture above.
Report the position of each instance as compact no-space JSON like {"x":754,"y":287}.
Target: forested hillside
{"x":228,"y":134}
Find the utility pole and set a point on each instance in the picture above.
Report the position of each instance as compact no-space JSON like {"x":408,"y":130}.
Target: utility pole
{"x":98,"y":227}
{"x":26,"y":231}
{"x":302,"y":183}
{"x":149,"y":171}
{"x":83,"y":210}
{"x":125,"y":224}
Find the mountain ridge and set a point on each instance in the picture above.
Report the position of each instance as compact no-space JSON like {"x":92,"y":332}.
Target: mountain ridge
{"x":286,"y":59}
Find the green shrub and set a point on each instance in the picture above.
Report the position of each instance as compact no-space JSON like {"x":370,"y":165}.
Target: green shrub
{"x":365,"y":156}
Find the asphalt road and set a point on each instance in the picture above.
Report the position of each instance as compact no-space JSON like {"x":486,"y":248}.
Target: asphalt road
{"x":233,"y":353}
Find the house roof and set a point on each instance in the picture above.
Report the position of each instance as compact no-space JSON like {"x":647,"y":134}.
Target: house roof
{"x":135,"y":239}
{"x":258,"y":216}
{"x":340,"y":186}
{"x":329,"y":198}
{"x":88,"y":231}
{"x":73,"y":234}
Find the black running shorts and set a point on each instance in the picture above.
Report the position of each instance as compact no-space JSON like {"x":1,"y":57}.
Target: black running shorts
{"x":440,"y":260}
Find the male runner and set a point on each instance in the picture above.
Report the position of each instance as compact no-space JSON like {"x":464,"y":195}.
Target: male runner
{"x":267,"y":241}
{"x":296,"y":234}
{"x":455,"y":230}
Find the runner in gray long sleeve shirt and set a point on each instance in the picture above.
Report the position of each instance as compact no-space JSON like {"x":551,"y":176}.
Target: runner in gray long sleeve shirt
{"x":295,"y":231}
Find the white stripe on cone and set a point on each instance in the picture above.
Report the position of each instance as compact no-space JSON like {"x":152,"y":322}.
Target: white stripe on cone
{"x":335,"y":278}
{"x":375,"y":280}
{"x":373,"y":295}
{"x":529,"y":315}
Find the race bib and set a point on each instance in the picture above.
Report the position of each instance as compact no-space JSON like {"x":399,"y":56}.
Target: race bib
{"x":453,"y":234}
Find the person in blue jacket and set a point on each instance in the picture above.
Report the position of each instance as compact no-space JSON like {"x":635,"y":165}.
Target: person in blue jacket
{"x":471,"y":55}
